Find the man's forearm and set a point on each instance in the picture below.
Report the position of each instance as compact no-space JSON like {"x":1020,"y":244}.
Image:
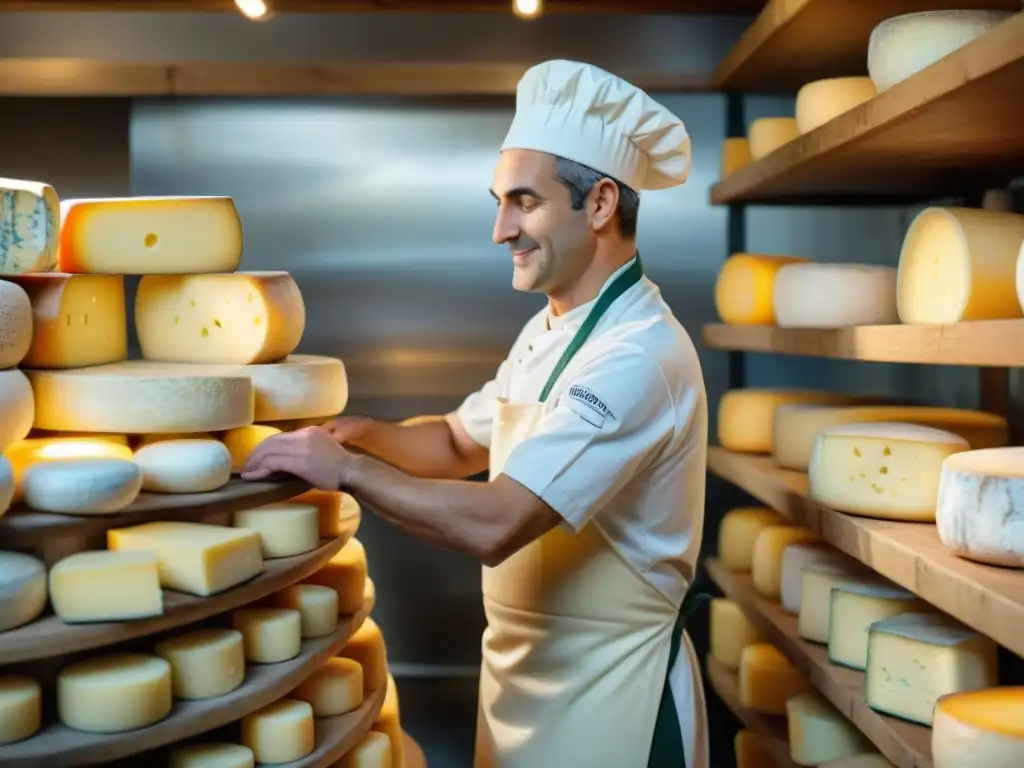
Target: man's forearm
{"x":423,"y":447}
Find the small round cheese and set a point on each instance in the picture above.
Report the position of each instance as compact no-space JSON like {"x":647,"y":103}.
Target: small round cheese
{"x":270,"y":634}
{"x":834,"y":295}
{"x":21,"y":708}
{"x":211,"y":755}
{"x":373,"y":751}
{"x":735,"y":155}
{"x":746,"y":285}
{"x":822,"y":101}
{"x":184,"y":466}
{"x":280,"y":732}
{"x":334,"y":689}
{"x":23,"y":589}
{"x":15,"y":324}
{"x":766,"y":565}
{"x":317,"y":605}
{"x":368,"y":648}
{"x":241,"y":441}
{"x":767,"y":134}
{"x":114,"y":693}
{"x":205,"y":662}
{"x":285,"y":530}
{"x":82,"y":486}
{"x":983,"y":727}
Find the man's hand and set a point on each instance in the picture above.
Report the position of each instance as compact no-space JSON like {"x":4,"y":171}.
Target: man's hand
{"x":311,"y":454}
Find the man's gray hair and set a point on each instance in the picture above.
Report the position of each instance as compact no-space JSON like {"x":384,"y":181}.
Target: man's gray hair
{"x":580,"y":180}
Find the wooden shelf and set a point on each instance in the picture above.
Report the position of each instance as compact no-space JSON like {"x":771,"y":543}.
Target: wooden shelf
{"x":905,"y":744}
{"x":385,"y":6}
{"x":949,"y":130}
{"x":264,"y":683}
{"x":998,"y":343}
{"x":793,"y":42}
{"x":987,"y":598}
{"x":772,"y":730}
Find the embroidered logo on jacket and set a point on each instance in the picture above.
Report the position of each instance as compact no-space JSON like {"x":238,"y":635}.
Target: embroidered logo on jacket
{"x":594,"y":410}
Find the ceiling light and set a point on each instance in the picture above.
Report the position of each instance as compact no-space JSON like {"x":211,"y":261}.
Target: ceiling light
{"x":254,"y":10}
{"x":526,"y":9}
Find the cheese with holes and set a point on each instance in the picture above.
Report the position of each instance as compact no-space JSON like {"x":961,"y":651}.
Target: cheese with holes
{"x":389,"y":722}
{"x":241,"y":317}
{"x":23,"y":589}
{"x":745,"y":287}
{"x":281,"y":732}
{"x":210,"y":755}
{"x":334,"y":689}
{"x":241,"y":441}
{"x":885,"y":470}
{"x":819,"y":579}
{"x":336,"y":510}
{"x":735,"y":154}
{"x":204,"y":662}
{"x":367,"y":647}
{"x":21,"y":708}
{"x":731,"y":632}
{"x":767,"y":679}
{"x":82,"y":486}
{"x":317,"y":607}
{"x":915,"y":658}
{"x":270,"y":634}
{"x":29,"y":226}
{"x":738,"y":533}
{"x":105,"y":586}
{"x":751,"y":751}
{"x":984,"y":727}
{"x":818,"y":733}
{"x":834,"y":295}
{"x":78,"y":320}
{"x":17,"y":404}
{"x":766,"y":567}
{"x":857,"y":603}
{"x":15,"y":324}
{"x":23,"y":454}
{"x":767,"y":134}
{"x":184,"y":466}
{"x":114,"y":693}
{"x":796,"y":557}
{"x":194,"y":557}
{"x":345,"y":573}
{"x":822,"y":101}
{"x":372,"y":751}
{"x":959,"y":264}
{"x":745,"y":415}
{"x":285,"y":530}
{"x":795,"y":427}
{"x":980,"y":510}
{"x":901,"y":46}
{"x":149,"y":235}
{"x":140,"y":397}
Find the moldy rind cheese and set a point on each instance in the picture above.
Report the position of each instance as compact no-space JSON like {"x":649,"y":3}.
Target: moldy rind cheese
{"x":149,"y":235}
{"x":745,"y":287}
{"x":29,"y":226}
{"x":241,"y":318}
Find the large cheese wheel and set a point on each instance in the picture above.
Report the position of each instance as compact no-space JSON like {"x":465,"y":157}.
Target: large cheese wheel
{"x":15,"y":324}
{"x":959,"y":264}
{"x":29,"y":226}
{"x":17,"y":407}
{"x":141,"y":397}
{"x":745,"y":287}
{"x":735,"y":155}
{"x":980,"y":510}
{"x":834,"y":295}
{"x":824,"y":100}
{"x":184,"y":466}
{"x":983,"y":727}
{"x":902,"y":46}
{"x":769,"y":133}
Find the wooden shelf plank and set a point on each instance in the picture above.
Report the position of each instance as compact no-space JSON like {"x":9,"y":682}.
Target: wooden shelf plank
{"x":772,"y":730}
{"x":793,"y":42}
{"x":385,"y":6}
{"x":987,"y":598}
{"x":997,"y":343}
{"x":905,"y":744}
{"x":948,"y":130}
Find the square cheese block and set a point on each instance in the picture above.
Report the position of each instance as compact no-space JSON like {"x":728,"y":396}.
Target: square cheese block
{"x":367,"y":647}
{"x":78,"y":320}
{"x":916,"y":658}
{"x":205,"y":663}
{"x":210,"y":755}
{"x":768,"y":679}
{"x":751,"y":751}
{"x":818,"y":733}
{"x":241,"y":318}
{"x":285,"y":530}
{"x":885,"y":470}
{"x":281,"y":732}
{"x":796,"y":557}
{"x":983,"y":727}
{"x":372,"y":751}
{"x":856,"y":605}
{"x":106,"y":586}
{"x":114,"y":693}
{"x":21,"y":708}
{"x":345,"y":573}
{"x":739,"y":531}
{"x":731,"y":632}
{"x":29,"y":226}
{"x":766,"y":569}
{"x":149,"y":235}
{"x":334,"y":689}
{"x":819,"y":579}
{"x":194,"y":557}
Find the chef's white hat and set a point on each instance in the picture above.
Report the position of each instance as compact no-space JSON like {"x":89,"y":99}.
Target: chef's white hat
{"x":582,"y":113}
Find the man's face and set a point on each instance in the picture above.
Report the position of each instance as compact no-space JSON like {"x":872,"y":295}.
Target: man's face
{"x":551,"y":244}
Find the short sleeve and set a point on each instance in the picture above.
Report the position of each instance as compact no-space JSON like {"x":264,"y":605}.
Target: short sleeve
{"x":610,"y":419}
{"x":476,"y":413}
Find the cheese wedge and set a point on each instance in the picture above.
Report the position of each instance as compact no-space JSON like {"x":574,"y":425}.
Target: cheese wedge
{"x":29,"y":226}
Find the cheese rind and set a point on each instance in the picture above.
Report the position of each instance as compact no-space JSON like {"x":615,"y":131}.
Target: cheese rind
{"x":334,"y":689}
{"x":372,"y":751}
{"x":184,"y":466}
{"x":796,"y":557}
{"x":23,"y":589}
{"x":317,"y":606}
{"x":915,"y":658}
{"x":819,"y":295}
{"x":959,"y":264}
{"x":280,"y":732}
{"x":140,"y":397}
{"x":114,"y":693}
{"x":819,"y":579}
{"x":818,"y":733}
{"x":241,"y":318}
{"x":745,"y":287}
{"x":731,"y":632}
{"x":105,"y":586}
{"x":857,"y":603}
{"x":822,"y":101}
{"x":884,"y":470}
{"x":241,"y":441}
{"x":17,"y":404}
{"x":735,"y":155}
{"x":21,"y":708}
{"x":368,"y":648}
{"x":82,"y":486}
{"x":211,"y":755}
{"x":345,"y":573}
{"x":738,"y":534}
{"x":285,"y":530}
{"x":77,"y":320}
{"x":29,"y":226}
{"x":205,"y":663}
{"x":15,"y":324}
{"x":23,"y":454}
{"x":768,"y":680}
{"x":766,"y":568}
{"x":149,"y":235}
{"x":982,"y":727}
{"x":270,"y":635}
{"x":767,"y":134}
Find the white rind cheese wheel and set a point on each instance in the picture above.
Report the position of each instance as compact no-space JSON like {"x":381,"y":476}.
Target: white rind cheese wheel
{"x":834,"y":295}
{"x":17,"y":407}
{"x":884,"y":470}
{"x":822,"y":101}
{"x":980,"y":509}
{"x":24,"y":453}
{"x":21,"y":708}
{"x":767,"y":134}
{"x":82,"y":486}
{"x":114,"y":693}
{"x":23,"y":589}
{"x":746,"y":285}
{"x":984,"y":727}
{"x":141,"y":397}
{"x":15,"y":324}
{"x":29,"y":226}
{"x":902,"y":46}
{"x":205,"y":663}
{"x":818,"y":733}
{"x":184,"y":466}
{"x":796,"y":557}
{"x":149,"y":235}
{"x":960,"y":264}
{"x":106,"y":586}
{"x":211,"y":755}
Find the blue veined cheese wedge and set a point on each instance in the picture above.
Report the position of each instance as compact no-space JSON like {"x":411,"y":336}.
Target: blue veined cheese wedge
{"x":29,"y":227}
